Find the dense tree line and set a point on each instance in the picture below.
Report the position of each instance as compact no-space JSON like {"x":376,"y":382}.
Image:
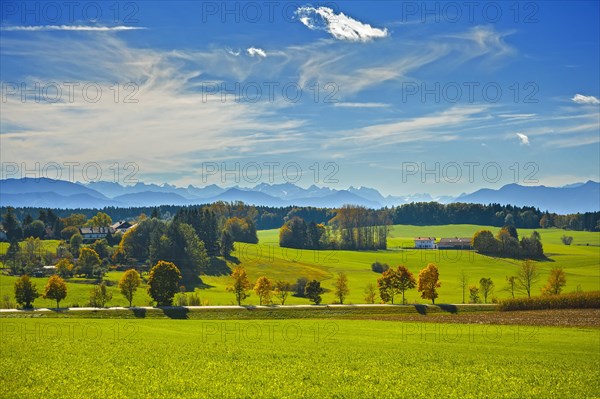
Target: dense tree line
{"x":433,"y":213}
{"x":353,"y":227}
{"x":46,"y":223}
{"x":506,"y":243}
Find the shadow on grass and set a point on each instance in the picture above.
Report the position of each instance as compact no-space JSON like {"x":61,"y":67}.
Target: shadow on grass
{"x":193,"y":282}
{"x":219,"y":267}
{"x":449,"y":308}
{"x":422,"y":309}
{"x":176,"y":312}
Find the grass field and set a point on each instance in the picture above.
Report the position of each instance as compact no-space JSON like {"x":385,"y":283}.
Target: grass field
{"x":85,"y":358}
{"x":581,"y":262}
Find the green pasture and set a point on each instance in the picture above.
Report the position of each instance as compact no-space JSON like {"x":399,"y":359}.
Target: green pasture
{"x":580,"y":260}
{"x":84,"y":358}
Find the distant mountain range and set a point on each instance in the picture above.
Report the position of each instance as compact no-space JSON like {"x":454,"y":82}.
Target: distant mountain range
{"x":573,"y":198}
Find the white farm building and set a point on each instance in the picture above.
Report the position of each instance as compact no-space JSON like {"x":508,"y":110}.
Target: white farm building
{"x":425,"y":242}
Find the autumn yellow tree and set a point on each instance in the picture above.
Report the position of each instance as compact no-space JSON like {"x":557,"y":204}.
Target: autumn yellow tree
{"x":341,"y":287}
{"x":64,"y":268}
{"x":429,"y":282}
{"x":240,"y":284}
{"x":263,"y":288}
{"x":56,"y":289}
{"x":388,"y":285}
{"x":129,"y":283}
{"x":405,"y":280}
{"x":556,"y":281}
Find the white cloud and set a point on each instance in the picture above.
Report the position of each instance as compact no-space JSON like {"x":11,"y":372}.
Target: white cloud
{"x":523,"y":138}
{"x":198,"y":126}
{"x":438,"y":127}
{"x":340,"y":26}
{"x":81,"y":28}
{"x":361,"y":105}
{"x":256,"y":52}
{"x":235,"y":53}
{"x":516,"y":116}
{"x":581,"y":99}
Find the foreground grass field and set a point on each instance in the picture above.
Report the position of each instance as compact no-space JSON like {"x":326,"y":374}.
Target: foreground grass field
{"x":580,"y":261}
{"x":87,"y":358}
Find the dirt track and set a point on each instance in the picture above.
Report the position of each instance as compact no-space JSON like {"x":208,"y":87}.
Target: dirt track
{"x":557,"y":318}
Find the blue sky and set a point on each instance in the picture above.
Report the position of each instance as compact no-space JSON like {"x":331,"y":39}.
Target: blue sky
{"x":367,"y":93}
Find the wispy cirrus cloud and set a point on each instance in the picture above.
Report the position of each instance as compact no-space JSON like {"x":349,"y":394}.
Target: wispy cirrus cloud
{"x":360,"y":105}
{"x":340,"y":26}
{"x":77,"y":28}
{"x":581,"y":99}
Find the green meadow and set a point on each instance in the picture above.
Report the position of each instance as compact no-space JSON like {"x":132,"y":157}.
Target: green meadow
{"x":83,"y":358}
{"x":580,"y":260}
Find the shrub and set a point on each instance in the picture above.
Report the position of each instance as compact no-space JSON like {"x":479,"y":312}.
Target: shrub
{"x":7,"y":302}
{"x":577,"y":300}
{"x":194,"y":299}
{"x":379,"y":267}
{"x":567,"y":240}
{"x":181,"y":299}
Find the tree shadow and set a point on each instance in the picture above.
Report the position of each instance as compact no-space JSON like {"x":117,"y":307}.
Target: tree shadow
{"x":233,"y":259}
{"x":192,"y":282}
{"x":219,"y":267}
{"x":175,"y":312}
{"x":422,"y":309}
{"x":449,"y":308}
{"x":139,"y":312}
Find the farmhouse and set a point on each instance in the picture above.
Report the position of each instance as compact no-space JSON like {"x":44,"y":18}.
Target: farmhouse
{"x":455,"y":243}
{"x":122,"y":226}
{"x":425,"y":242}
{"x":95,"y":233}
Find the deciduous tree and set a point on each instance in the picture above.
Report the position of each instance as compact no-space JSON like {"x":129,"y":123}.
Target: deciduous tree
{"x":370,"y":293}
{"x":100,"y":295}
{"x":484,"y":242}
{"x":512,"y":285}
{"x":263,"y":288}
{"x":473,"y":294}
{"x":527,"y":275}
{"x":405,"y":280}
{"x":88,"y":262}
{"x":429,"y":282}
{"x":56,"y":289}
{"x":487,"y":286}
{"x":240,"y":284}
{"x":341,"y":287}
{"x":556,"y":281}
{"x":129,"y":283}
{"x":163,"y":282}
{"x":314,"y":291}
{"x":282,"y":290}
{"x":463,"y":283}
{"x":25,"y":291}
